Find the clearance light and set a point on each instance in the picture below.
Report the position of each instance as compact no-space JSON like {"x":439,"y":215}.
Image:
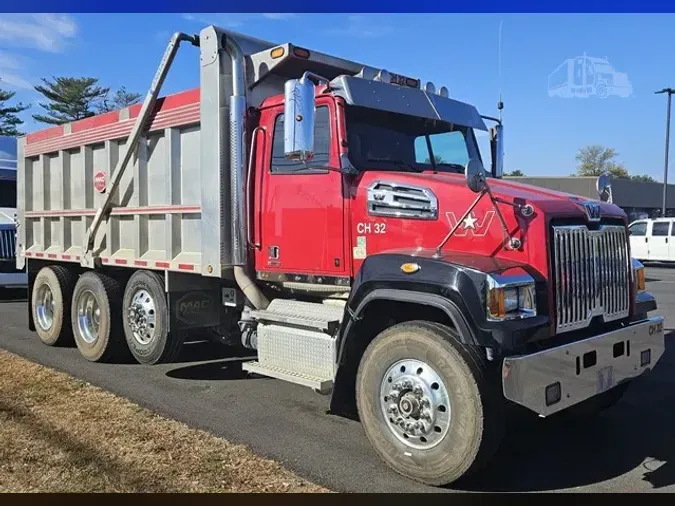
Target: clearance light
{"x":413,"y":83}
{"x":300,"y":52}
{"x":277,"y":52}
{"x":443,"y":92}
{"x":409,"y":268}
{"x":430,"y":88}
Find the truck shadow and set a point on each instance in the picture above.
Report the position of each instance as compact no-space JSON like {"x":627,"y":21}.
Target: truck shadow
{"x":205,"y":360}
{"x":635,"y":436}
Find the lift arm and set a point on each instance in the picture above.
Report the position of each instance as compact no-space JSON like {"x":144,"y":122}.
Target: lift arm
{"x":135,"y":135}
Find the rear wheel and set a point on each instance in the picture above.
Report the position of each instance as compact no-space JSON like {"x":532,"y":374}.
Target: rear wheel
{"x":146,"y":320}
{"x":50,"y":305}
{"x":427,"y":403}
{"x":96,"y":317}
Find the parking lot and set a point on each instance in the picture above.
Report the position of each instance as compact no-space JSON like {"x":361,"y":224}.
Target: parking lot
{"x":629,"y":448}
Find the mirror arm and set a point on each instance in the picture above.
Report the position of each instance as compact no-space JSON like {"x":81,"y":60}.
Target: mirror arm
{"x":525,"y":209}
{"x":514,"y":242}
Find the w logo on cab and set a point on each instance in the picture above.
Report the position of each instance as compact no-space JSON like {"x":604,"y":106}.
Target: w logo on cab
{"x":471,"y":225}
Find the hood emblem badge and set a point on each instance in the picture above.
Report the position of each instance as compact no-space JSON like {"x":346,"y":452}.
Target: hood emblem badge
{"x":592,"y":210}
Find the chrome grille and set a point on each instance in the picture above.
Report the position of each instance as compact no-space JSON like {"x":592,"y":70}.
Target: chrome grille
{"x":7,"y":242}
{"x":591,"y":274}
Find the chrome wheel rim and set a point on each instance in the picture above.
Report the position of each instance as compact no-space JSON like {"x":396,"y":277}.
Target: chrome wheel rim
{"x":142,"y":317}
{"x":88,"y":316}
{"x":415,"y":404}
{"x":45,"y":307}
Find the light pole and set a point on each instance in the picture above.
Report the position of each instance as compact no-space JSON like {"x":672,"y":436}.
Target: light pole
{"x":670,"y":92}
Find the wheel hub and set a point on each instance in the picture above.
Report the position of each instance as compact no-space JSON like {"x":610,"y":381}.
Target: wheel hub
{"x":45,"y":308}
{"x":141,"y":317}
{"x":415,"y":403}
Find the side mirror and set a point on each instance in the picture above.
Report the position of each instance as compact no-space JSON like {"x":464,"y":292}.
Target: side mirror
{"x":474,"y":172}
{"x":299,"y":117}
{"x":497,"y":150}
{"x":603,"y":185}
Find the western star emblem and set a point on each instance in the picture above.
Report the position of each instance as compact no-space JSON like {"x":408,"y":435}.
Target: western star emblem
{"x":471,"y":225}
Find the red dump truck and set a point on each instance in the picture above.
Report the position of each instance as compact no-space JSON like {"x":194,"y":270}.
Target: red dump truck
{"x":339,"y":219}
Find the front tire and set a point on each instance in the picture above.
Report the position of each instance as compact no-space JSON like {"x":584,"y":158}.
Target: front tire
{"x":50,"y":305}
{"x":146,"y":320}
{"x":96,"y":317}
{"x":428,"y":403}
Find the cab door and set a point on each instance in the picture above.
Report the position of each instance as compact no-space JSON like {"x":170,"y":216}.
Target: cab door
{"x":300,"y":211}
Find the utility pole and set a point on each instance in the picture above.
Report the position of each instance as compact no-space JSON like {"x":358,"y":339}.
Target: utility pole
{"x":670,"y":92}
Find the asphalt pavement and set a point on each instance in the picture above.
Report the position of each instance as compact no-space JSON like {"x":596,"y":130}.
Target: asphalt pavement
{"x":630,"y":448}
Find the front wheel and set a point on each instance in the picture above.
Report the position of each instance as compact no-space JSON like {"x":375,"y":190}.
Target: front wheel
{"x":428,"y":403}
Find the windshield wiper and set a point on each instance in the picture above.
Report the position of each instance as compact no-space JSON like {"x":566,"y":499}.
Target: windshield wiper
{"x":397,"y":162}
{"x":453,"y":165}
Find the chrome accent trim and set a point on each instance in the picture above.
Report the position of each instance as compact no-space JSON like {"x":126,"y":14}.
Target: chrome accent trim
{"x":525,"y":378}
{"x":7,"y":242}
{"x":517,"y":281}
{"x":591,"y":275}
{"x":392,"y":199}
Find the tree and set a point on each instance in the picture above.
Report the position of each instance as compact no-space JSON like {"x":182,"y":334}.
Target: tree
{"x":438,"y":159}
{"x":515,"y":173}
{"x":9,"y":121}
{"x":643,"y":179}
{"x":70,"y":99}
{"x":121,"y":99}
{"x":594,"y":160}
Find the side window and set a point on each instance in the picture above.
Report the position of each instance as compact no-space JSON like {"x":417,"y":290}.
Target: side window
{"x":281,"y":165}
{"x":660,"y":228}
{"x":448,"y":147}
{"x":639,"y":228}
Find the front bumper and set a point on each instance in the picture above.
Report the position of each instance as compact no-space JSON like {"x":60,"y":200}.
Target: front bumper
{"x":580,"y":370}
{"x":13,"y":280}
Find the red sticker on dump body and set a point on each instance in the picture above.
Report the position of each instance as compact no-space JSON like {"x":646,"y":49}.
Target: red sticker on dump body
{"x":100,"y":181}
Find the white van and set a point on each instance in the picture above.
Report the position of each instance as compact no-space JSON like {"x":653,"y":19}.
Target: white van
{"x":653,"y":240}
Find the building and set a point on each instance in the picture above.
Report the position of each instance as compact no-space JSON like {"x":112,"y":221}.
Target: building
{"x":637,"y":199}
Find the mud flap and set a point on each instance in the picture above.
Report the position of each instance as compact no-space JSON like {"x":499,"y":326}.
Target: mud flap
{"x":194,"y":309}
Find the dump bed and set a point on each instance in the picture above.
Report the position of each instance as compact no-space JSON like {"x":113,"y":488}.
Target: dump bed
{"x":63,"y":173}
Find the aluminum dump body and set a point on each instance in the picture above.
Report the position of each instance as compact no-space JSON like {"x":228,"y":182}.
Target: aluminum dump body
{"x":155,"y":222}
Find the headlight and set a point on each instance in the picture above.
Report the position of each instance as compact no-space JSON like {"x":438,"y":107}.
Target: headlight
{"x":639,"y":276}
{"x":510,"y":297}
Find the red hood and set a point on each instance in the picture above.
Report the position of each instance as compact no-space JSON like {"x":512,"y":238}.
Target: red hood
{"x":550,"y":202}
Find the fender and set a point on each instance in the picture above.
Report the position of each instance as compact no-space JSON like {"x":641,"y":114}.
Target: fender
{"x":455,"y":284}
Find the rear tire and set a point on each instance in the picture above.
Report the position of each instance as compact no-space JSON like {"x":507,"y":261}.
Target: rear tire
{"x":146,"y":320}
{"x":456,"y":400}
{"x":97,"y":318}
{"x":50,"y":305}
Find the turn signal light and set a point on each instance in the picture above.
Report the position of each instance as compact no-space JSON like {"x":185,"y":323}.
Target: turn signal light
{"x":640,"y":274}
{"x":496,"y":303}
{"x":277,"y":52}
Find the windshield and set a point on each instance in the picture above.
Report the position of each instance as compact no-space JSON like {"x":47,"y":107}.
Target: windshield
{"x":380,"y":140}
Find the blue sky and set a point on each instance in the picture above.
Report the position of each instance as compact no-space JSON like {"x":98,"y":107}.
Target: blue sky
{"x":458,"y":51}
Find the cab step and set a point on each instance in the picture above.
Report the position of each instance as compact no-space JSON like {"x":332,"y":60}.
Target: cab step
{"x":296,"y":343}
